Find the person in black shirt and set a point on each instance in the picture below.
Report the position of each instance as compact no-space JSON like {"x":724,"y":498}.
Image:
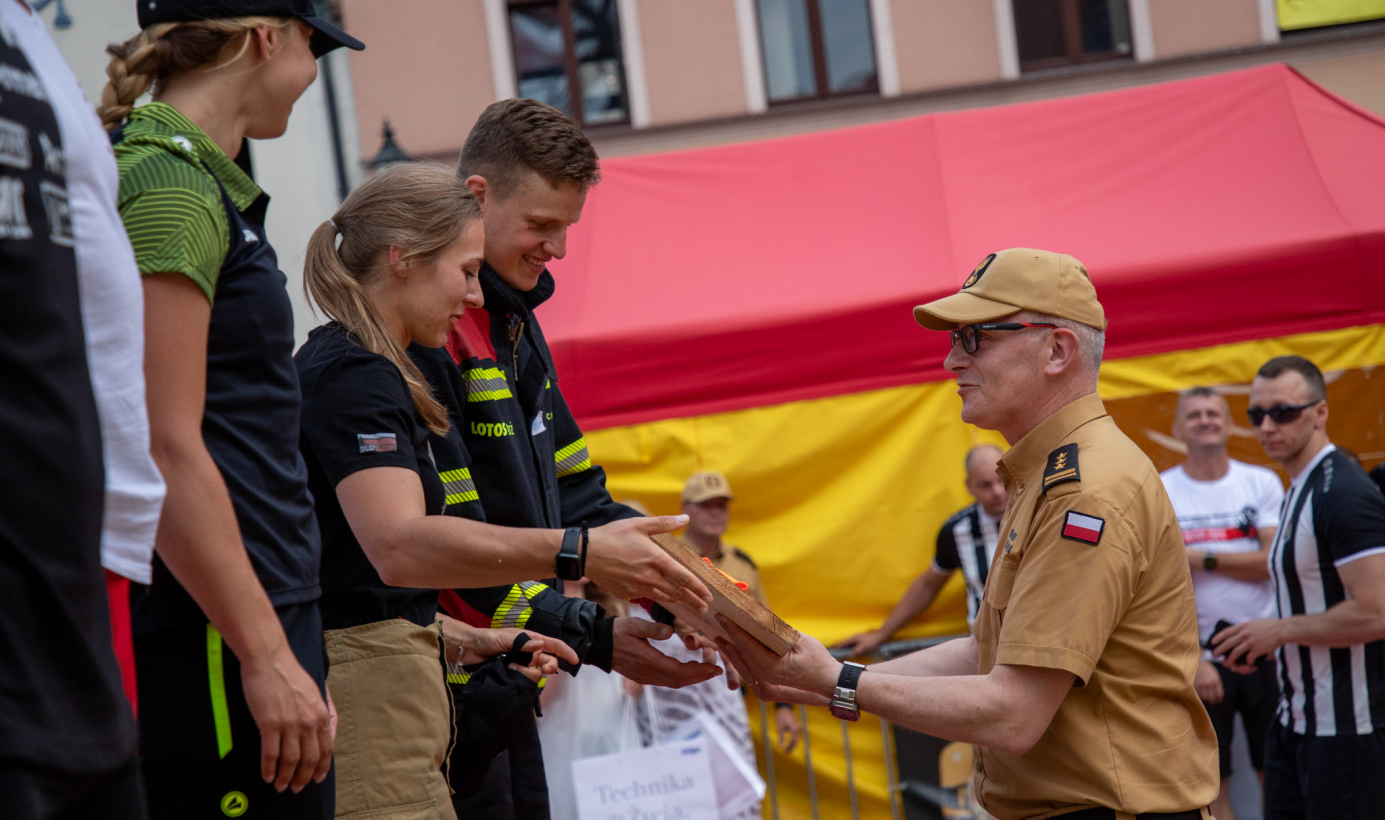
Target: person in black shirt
{"x":228,"y":639}
{"x":397,"y":264}
{"x":1325,"y":750}
{"x":67,"y":736}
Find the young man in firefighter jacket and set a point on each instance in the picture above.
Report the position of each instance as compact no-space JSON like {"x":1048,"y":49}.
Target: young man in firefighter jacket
{"x":530,"y":167}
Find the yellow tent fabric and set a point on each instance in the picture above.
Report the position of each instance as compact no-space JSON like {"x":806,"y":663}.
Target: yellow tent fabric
{"x":839,"y":501}
{"x":1297,"y":14}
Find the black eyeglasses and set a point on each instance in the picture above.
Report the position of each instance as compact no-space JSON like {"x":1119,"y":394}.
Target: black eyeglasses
{"x":1279,"y":414}
{"x":968,"y":334}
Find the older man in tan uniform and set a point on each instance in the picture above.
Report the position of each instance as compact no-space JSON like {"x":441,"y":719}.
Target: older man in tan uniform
{"x":1076,"y":686}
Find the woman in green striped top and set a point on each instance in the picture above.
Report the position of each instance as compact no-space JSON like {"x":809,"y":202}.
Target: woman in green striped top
{"x":228,"y":640}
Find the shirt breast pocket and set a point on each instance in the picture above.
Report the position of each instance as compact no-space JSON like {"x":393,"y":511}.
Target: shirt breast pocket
{"x":1001,"y":582}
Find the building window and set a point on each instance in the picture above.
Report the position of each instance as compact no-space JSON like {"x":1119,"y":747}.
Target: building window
{"x":1066,"y":32}
{"x":568,"y":54}
{"x":816,"y":48}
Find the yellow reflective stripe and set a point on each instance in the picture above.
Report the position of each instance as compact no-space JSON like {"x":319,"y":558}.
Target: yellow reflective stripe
{"x":573,"y":458}
{"x":221,"y":713}
{"x":458,"y":486}
{"x":515,"y":610}
{"x":486,"y":384}
{"x":465,"y":677}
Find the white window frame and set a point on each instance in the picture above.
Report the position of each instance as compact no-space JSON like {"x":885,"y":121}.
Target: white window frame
{"x":753,"y":64}
{"x":1007,"y":39}
{"x":631,"y":47}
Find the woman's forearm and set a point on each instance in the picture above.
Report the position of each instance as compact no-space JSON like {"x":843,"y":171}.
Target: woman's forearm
{"x":442,"y":552}
{"x":199,"y":540}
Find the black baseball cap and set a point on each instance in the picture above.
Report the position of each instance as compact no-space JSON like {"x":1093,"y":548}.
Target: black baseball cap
{"x":325,"y":36}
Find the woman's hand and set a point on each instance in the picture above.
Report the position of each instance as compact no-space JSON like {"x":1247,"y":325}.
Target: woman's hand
{"x":475,"y":645}
{"x":624,"y":561}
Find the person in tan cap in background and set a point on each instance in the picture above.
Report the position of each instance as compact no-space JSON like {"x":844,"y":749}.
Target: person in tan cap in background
{"x":707,"y":504}
{"x":1076,"y":685}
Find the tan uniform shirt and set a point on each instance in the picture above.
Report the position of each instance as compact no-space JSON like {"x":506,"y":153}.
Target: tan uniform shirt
{"x":1091,"y":576}
{"x":738,"y":565}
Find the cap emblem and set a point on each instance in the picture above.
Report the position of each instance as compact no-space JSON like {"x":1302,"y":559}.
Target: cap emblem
{"x":980,"y":269}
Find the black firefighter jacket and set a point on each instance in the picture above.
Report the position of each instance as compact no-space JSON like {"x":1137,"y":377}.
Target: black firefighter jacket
{"x":514,"y":443}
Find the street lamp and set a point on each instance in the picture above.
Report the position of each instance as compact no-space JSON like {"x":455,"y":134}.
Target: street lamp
{"x":390,"y":152}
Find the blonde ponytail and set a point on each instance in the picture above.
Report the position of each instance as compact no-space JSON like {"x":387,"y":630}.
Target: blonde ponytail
{"x":420,"y":208}
{"x":165,"y":50}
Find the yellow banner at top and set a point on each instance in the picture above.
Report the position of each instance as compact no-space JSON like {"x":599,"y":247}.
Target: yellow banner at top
{"x":1297,"y":14}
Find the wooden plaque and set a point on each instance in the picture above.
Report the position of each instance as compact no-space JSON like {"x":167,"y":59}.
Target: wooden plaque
{"x":727,"y":599}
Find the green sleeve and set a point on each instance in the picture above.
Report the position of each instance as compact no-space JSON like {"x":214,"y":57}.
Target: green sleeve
{"x":174,"y":230}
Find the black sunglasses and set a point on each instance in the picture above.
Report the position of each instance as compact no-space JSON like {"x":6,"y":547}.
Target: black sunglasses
{"x":1279,"y":414}
{"x":968,"y":334}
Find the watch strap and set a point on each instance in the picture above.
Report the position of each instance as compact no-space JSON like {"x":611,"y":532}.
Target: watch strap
{"x":847,"y":680}
{"x":568,"y":564}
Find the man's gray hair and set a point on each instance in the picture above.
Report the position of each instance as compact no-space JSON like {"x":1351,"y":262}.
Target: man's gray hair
{"x":1091,"y":343}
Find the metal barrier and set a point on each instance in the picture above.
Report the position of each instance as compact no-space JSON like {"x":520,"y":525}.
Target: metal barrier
{"x":896,"y":786}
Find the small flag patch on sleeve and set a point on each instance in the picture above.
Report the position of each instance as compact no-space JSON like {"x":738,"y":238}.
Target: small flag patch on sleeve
{"x":1084,"y":528}
{"x":377,"y":442}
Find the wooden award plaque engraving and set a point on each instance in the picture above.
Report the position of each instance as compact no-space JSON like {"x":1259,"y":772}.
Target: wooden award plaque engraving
{"x":727,"y":599}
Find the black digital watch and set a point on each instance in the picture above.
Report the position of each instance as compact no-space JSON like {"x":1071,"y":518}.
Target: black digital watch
{"x":571,"y":561}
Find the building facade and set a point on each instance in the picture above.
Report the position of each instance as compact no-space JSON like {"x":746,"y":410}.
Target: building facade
{"x":656,"y":75}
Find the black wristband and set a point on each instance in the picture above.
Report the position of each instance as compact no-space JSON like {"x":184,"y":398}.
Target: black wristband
{"x":569,"y":565}
{"x":586,"y":540}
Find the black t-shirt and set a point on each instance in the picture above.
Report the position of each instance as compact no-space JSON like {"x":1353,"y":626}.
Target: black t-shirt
{"x":60,"y":699}
{"x":358,"y":414}
{"x":249,"y":424}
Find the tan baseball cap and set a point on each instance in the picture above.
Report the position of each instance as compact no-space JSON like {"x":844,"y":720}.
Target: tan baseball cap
{"x":1014,"y":280}
{"x":705,"y":486}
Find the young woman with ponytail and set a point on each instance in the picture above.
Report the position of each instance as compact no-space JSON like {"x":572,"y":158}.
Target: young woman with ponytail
{"x":230,"y":660}
{"x":398,"y":264}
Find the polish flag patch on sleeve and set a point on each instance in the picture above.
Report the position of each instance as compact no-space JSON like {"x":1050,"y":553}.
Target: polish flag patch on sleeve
{"x":1084,"y":528}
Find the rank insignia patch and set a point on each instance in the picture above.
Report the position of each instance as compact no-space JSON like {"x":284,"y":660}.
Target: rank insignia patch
{"x":976,"y":273}
{"x":1084,"y":528}
{"x":1061,"y":466}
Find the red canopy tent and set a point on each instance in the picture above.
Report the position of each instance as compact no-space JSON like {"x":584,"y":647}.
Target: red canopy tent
{"x":1218,"y":209}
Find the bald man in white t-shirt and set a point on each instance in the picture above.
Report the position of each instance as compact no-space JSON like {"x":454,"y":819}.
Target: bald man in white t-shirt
{"x":1228,"y":511}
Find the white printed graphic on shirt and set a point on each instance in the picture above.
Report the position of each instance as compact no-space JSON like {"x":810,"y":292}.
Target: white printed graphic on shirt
{"x":14,"y":220}
{"x":14,"y":145}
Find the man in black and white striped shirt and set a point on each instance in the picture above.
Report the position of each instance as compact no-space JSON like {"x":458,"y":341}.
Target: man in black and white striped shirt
{"x":1326,"y":755}
{"x":966,"y":541}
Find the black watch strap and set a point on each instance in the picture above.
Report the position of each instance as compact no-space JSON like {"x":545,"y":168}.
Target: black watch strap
{"x":568,"y":564}
{"x":850,"y":674}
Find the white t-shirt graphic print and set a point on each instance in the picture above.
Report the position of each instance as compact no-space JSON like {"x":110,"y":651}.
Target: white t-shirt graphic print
{"x":1226,"y":516}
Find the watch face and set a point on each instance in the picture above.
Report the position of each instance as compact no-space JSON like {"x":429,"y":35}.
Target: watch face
{"x":843,"y":712}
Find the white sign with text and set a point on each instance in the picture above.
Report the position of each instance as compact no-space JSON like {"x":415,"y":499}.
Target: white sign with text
{"x":670,"y":782}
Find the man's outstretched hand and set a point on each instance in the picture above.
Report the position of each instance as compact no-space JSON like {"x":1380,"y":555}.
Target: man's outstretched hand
{"x":635,"y":658}
{"x":806,"y":674}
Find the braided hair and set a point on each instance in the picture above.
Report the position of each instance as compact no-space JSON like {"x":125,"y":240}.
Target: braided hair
{"x":167,"y":49}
